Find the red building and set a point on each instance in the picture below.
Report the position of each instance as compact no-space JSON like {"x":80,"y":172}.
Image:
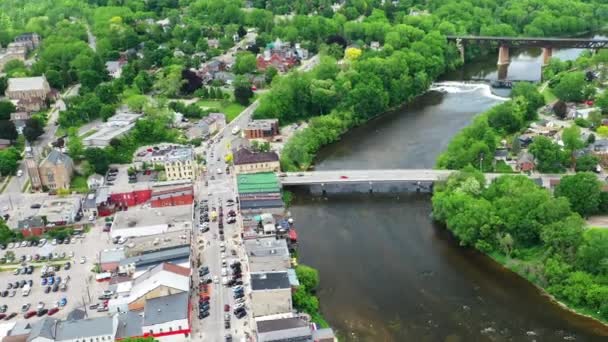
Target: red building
{"x":131,"y":198}
{"x":182,"y":195}
{"x":32,"y":226}
{"x":280,"y":61}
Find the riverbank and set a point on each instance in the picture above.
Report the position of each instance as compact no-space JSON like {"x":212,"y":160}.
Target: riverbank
{"x":533,"y":234}
{"x":580,"y":311}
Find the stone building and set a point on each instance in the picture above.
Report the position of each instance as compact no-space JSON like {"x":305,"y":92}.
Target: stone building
{"x":54,"y":172}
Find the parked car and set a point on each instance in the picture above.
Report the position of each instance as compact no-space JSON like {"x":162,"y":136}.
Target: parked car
{"x":53,"y":311}
{"x":29,"y":314}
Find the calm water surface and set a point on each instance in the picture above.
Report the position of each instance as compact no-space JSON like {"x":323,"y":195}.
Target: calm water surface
{"x":387,"y":272}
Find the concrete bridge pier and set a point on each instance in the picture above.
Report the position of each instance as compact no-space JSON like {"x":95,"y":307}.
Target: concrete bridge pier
{"x":460,"y":46}
{"x":547,"y":54}
{"x":503,"y":55}
{"x":503,"y":62}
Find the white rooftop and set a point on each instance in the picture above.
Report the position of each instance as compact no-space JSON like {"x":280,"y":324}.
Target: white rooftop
{"x":26,"y":83}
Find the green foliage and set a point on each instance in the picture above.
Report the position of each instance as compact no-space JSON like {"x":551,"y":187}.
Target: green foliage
{"x":534,"y":99}
{"x":304,"y":298}
{"x":8,"y":130}
{"x":582,"y":191}
{"x":580,"y":122}
{"x":242,"y":90}
{"x":9,"y":161}
{"x":587,"y":162}
{"x":6,"y":234}
{"x":245,"y":63}
{"x":549,"y":155}
{"x":570,"y":87}
{"x":33,"y":129}
{"x":6,"y":108}
{"x":519,"y":223}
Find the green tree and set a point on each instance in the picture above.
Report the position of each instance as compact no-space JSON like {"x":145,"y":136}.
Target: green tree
{"x":533,"y":97}
{"x":549,"y":155}
{"x":9,"y":161}
{"x":3,"y":84}
{"x":308,"y":276}
{"x":570,"y":87}
{"x":560,"y":109}
{"x":592,"y":254}
{"x":245,"y":63}
{"x":98,"y":158}
{"x":6,"y":234}
{"x":242,"y":90}
{"x":74,"y":145}
{"x":602,"y":102}
{"x":587,"y":162}
{"x":6,"y":108}
{"x":582,"y":191}
{"x":564,"y":236}
{"x":270,"y":73}
{"x":8,"y":130}
{"x":33,"y":129}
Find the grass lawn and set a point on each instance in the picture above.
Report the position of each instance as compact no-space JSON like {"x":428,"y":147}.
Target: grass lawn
{"x":231,"y":109}
{"x":503,"y":167}
{"x":79,"y":184}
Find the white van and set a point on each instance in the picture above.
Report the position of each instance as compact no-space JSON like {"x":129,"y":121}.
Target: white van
{"x":26,"y":290}
{"x":19,"y":173}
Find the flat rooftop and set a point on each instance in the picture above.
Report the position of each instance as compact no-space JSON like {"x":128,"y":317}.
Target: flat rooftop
{"x":177,"y":218}
{"x":268,"y":246}
{"x":108,"y":133}
{"x":146,"y":244}
{"x":269,"y":281}
{"x":263,"y":124}
{"x":59,"y":208}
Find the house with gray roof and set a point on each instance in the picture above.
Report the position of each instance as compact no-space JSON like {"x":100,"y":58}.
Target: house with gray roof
{"x":44,"y":330}
{"x":284,"y":329}
{"x":161,"y":310}
{"x":54,"y":172}
{"x":91,"y":329}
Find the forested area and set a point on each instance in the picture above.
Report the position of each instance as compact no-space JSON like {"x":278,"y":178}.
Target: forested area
{"x":414,"y":53}
{"x":540,"y":236}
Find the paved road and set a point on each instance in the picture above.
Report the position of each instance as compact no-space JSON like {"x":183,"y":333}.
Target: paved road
{"x":91,"y":38}
{"x":219,"y":189}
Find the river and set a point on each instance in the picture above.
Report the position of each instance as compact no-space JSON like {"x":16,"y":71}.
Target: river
{"x":388,"y":273}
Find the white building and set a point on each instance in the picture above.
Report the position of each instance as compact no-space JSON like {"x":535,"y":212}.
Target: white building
{"x":168,"y":316}
{"x":116,"y":126}
{"x":151,"y":221}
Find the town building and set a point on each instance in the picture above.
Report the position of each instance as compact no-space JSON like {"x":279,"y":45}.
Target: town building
{"x":267,"y":254}
{"x":136,"y":265}
{"x":281,"y":55}
{"x":270,"y":293}
{"x":183,"y":195}
{"x":54,"y":172}
{"x":49,"y":329}
{"x":32,"y":226}
{"x":164,"y":279}
{"x":247,"y":161}
{"x":59,"y":211}
{"x":116,"y":126}
{"x":207,"y":126}
{"x":180,"y":164}
{"x":114,"y":68}
{"x":29,"y":93}
{"x":167,"y":315}
{"x":288,"y":329}
{"x":19,"y":119}
{"x":525,"y":162}
{"x":109,"y":259}
{"x":260,"y":193}
{"x":151,"y":221}
{"x":18,"y":49}
{"x":262,"y":129}
{"x":156,"y":243}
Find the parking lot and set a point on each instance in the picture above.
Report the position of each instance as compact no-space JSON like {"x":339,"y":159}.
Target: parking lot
{"x":81,"y":286}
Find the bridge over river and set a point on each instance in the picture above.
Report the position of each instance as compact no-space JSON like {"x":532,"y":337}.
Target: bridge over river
{"x":381,"y":180}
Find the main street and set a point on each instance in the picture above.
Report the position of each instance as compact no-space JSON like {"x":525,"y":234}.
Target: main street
{"x":218,"y":188}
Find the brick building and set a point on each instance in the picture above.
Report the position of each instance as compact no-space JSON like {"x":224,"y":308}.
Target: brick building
{"x":262,"y":129}
{"x":54,"y":172}
{"x":247,"y":161}
{"x":172,"y":197}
